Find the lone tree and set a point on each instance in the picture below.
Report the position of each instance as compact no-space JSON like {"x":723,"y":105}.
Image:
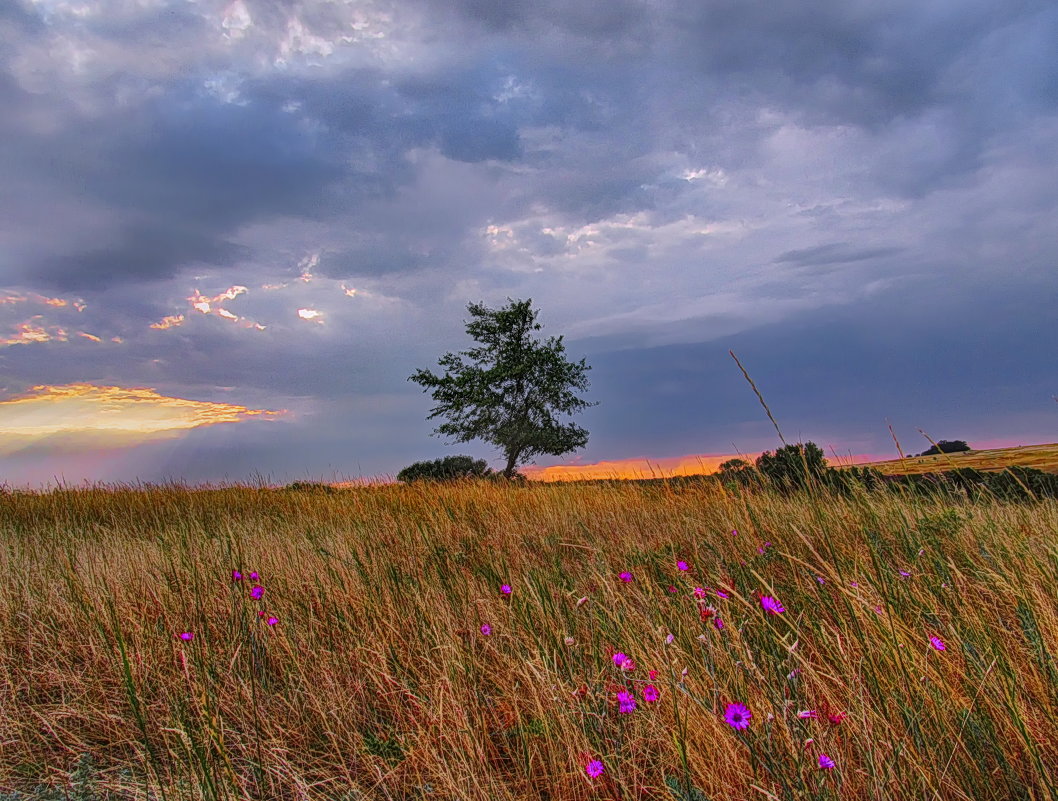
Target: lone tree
{"x":509,"y":390}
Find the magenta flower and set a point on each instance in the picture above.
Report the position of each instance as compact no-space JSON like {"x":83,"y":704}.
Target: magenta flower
{"x":187,"y":636}
{"x":821,"y":580}
{"x":734,"y":532}
{"x":236,"y":575}
{"x":619,"y":658}
{"x":808,"y":713}
{"x":825,"y":762}
{"x":594,"y":768}
{"x":626,"y":703}
{"x":486,"y":629}
{"x":681,"y":565}
{"x":721,"y":594}
{"x":698,"y":592}
{"x":904,"y":573}
{"x":718,"y":623}
{"x":937,"y":643}
{"x":505,"y":589}
{"x":650,"y":694}
{"x":625,"y":577}
{"x":628,"y":665}
{"x":771,"y":606}
{"x":254,"y":576}
{"x":737,"y":716}
{"x":272,"y":621}
{"x":257,"y":591}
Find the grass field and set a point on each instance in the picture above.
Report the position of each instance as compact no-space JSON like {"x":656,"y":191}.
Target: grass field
{"x":1041,"y":457}
{"x":382,"y":659}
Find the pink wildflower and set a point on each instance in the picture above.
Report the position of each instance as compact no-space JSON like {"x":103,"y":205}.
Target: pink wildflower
{"x":628,"y":665}
{"x":236,"y":575}
{"x":272,"y":620}
{"x":734,"y":532}
{"x":721,"y":594}
{"x":626,"y":703}
{"x":505,"y":589}
{"x":937,"y":643}
{"x":771,"y":606}
{"x":825,"y":762}
{"x":737,"y":716}
{"x":486,"y":629}
{"x":718,"y":623}
{"x":808,"y":713}
{"x":821,"y":580}
{"x":625,"y":577}
{"x":698,"y":592}
{"x":594,"y":768}
{"x":619,"y":658}
{"x":650,"y":694}
{"x":653,"y":674}
{"x":254,"y":576}
{"x":672,"y":590}
{"x":668,"y":639}
{"x":257,"y":591}
{"x":681,"y":565}
{"x":187,"y":636}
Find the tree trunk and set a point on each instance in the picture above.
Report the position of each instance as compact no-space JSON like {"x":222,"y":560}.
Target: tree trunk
{"x":512,"y":461}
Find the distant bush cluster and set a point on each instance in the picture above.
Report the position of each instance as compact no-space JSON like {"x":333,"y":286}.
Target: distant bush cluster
{"x":944,"y":446}
{"x":796,"y":467}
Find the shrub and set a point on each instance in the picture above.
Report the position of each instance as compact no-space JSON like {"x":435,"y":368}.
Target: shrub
{"x":944,"y":446}
{"x":311,"y":486}
{"x":793,"y":466}
{"x":732,"y":466}
{"x":449,"y":468}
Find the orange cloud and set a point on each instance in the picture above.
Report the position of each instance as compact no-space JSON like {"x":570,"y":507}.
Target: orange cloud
{"x":666,"y":467}
{"x":89,"y":336}
{"x":169,"y":321}
{"x":209,"y":305}
{"x":33,"y":331}
{"x":79,"y":416}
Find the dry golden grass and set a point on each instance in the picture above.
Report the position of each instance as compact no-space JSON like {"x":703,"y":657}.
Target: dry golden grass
{"x":377,"y":683}
{"x":1041,"y":457}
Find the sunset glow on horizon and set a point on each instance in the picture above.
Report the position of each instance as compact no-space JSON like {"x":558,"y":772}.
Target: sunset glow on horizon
{"x":121,"y":416}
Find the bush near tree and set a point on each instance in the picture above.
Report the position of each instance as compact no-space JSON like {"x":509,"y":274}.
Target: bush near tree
{"x":450,"y":468}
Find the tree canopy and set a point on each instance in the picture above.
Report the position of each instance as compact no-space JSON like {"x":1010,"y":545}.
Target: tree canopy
{"x":511,"y":389}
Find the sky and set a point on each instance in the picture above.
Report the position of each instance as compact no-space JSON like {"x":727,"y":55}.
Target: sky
{"x":230,"y":232}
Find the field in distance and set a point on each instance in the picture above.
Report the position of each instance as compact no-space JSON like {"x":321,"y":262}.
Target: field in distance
{"x":1041,"y":457}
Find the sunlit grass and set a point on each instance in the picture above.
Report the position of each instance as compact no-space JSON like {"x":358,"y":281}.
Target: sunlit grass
{"x":376,"y":680}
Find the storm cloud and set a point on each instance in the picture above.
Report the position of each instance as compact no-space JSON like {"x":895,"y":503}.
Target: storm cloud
{"x":859,"y":197}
